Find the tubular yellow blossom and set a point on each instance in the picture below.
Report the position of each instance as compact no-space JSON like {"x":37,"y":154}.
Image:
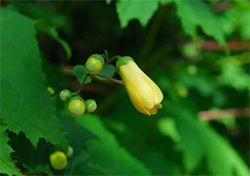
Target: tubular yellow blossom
{"x":143,"y":92}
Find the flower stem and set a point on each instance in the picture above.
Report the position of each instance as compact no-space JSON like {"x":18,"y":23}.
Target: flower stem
{"x":81,"y":86}
{"x":112,"y":79}
{"x":64,"y":87}
{"x":113,"y":58}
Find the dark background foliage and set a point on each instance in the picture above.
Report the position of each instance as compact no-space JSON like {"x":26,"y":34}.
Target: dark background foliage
{"x":196,"y":51}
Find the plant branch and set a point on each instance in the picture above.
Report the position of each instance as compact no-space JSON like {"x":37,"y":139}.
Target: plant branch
{"x":214,"y":46}
{"x":64,"y":87}
{"x":223,"y":114}
{"x":113,"y":58}
{"x":112,"y":79}
{"x":81,"y":86}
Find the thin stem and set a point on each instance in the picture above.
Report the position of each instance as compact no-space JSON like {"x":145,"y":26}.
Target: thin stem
{"x":113,"y":58}
{"x":112,"y":79}
{"x":81,"y":86}
{"x":64,"y":87}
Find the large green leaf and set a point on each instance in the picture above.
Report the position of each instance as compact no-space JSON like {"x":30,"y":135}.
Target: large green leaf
{"x":7,"y":165}
{"x":34,"y":159}
{"x":199,"y":140}
{"x":138,"y":133}
{"x":77,"y":137}
{"x":76,"y":134}
{"x":25,"y":104}
{"x":52,"y":32}
{"x":197,"y":13}
{"x":106,"y":156}
{"x":129,"y":9}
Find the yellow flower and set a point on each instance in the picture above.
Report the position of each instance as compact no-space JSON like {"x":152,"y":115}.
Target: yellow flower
{"x":143,"y":92}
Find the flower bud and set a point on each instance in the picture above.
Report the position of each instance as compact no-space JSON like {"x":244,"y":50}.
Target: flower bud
{"x":58,"y":160}
{"x":143,"y":92}
{"x":90,"y":105}
{"x":76,"y":106}
{"x":65,"y":95}
{"x":94,"y":64}
{"x":50,"y":90}
{"x":70,"y":152}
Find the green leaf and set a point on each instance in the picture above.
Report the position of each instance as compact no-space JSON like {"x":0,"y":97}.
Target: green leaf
{"x":25,"y":104}
{"x":108,"y":71}
{"x":128,"y":10}
{"x":199,"y":140}
{"x":77,"y":137}
{"x":106,"y":156}
{"x":156,"y":151}
{"x":33,"y":158}
{"x":76,"y":134}
{"x":80,"y":72}
{"x":233,"y":73}
{"x":52,"y":32}
{"x":44,"y":12}
{"x":197,"y":13}
{"x":167,"y":127}
{"x":7,"y":165}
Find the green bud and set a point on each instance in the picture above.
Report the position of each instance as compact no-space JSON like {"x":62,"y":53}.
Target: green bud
{"x":70,"y":152}
{"x":76,"y":106}
{"x":50,"y":90}
{"x":58,"y":160}
{"x":95,"y":64}
{"x":65,"y":95}
{"x":123,"y":61}
{"x":91,"y":105}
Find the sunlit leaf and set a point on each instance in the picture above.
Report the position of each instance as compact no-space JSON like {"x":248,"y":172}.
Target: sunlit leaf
{"x":128,"y":10}
{"x":197,"y":13}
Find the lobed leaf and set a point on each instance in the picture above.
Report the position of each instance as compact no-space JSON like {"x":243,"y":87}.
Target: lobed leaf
{"x":129,"y":9}
{"x":197,"y":13}
{"x":33,"y":159}
{"x":25,"y":104}
{"x":7,"y":164}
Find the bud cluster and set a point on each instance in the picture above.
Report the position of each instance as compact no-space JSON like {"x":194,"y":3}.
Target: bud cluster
{"x":76,"y":104}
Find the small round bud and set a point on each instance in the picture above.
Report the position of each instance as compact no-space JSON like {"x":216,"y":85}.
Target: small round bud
{"x":58,"y":160}
{"x":65,"y":95}
{"x":94,"y":64}
{"x":76,"y":106}
{"x":90,"y":105}
{"x":50,"y":90}
{"x":70,"y":152}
